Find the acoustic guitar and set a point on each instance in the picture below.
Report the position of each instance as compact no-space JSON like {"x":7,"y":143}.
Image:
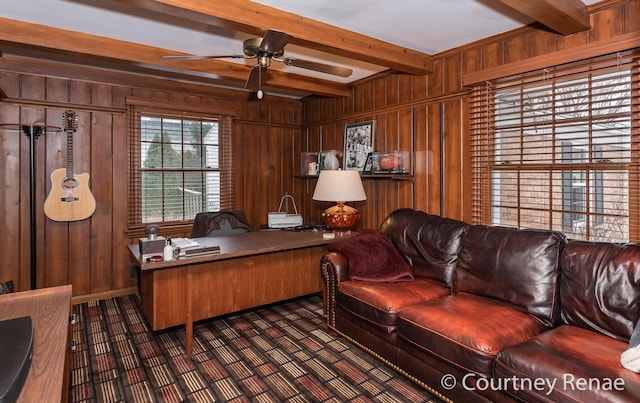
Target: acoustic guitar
{"x":70,"y":198}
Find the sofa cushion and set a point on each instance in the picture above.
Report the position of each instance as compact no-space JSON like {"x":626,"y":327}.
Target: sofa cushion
{"x":515,"y":267}
{"x":569,"y":355}
{"x":600,"y":287}
{"x":465,"y":330}
{"x":429,"y":243}
{"x":372,"y":257}
{"x":379,"y":303}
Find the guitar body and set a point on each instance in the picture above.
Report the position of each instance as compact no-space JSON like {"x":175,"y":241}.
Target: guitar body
{"x":70,"y":198}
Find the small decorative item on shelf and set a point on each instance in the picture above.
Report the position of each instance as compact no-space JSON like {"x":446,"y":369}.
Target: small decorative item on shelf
{"x":331,"y":159}
{"x":309,"y":164}
{"x":391,"y":162}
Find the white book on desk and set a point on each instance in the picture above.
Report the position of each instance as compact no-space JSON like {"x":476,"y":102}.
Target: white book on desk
{"x":204,"y":250}
{"x":185,"y":243}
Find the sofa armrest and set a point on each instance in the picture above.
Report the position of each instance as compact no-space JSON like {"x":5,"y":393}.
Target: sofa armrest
{"x":335,"y":268}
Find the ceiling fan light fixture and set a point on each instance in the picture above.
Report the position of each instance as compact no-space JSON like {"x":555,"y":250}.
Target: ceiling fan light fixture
{"x":264,"y":62}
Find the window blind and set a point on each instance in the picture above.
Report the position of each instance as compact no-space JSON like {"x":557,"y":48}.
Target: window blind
{"x":558,"y":149}
{"x":180,"y":164}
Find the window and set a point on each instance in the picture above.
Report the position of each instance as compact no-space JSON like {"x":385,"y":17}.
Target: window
{"x":180,"y":165}
{"x":558,"y":149}
{"x":574,"y":189}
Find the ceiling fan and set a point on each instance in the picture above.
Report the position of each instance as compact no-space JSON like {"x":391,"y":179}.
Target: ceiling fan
{"x":265,"y":49}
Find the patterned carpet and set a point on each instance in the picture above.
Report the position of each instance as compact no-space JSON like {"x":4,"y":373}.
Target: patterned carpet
{"x":280,"y":353}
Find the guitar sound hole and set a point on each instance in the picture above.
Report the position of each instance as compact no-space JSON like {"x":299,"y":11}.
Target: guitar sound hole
{"x":70,"y":183}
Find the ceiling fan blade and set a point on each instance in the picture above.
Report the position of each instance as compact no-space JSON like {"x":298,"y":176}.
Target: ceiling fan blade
{"x":274,"y":41}
{"x":255,"y":79}
{"x":201,"y":57}
{"x":321,"y":67}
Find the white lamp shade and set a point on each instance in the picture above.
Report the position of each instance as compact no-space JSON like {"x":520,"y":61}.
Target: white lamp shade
{"x":339,"y":186}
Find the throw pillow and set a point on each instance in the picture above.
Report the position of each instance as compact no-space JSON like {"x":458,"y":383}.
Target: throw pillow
{"x":630,"y":358}
{"x":372,"y":257}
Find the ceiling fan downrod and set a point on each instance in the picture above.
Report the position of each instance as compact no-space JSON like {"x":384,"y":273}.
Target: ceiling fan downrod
{"x":259,"y":93}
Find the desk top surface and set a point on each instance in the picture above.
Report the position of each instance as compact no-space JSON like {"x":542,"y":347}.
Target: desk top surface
{"x":244,"y":244}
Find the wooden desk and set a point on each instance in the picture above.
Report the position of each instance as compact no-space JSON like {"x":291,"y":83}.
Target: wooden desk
{"x":49,"y":308}
{"x":252,"y":269}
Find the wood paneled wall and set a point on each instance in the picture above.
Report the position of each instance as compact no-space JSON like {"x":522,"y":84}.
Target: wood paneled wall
{"x":435,"y":107}
{"x":92,"y":254}
{"x":424,"y":114}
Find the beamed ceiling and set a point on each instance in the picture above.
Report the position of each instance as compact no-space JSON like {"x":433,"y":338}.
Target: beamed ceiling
{"x":133,"y":35}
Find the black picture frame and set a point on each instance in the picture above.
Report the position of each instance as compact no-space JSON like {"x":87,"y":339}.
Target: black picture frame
{"x":358,"y":143}
{"x":368,"y":165}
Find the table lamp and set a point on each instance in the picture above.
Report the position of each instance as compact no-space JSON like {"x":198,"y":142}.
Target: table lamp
{"x":340,"y":186}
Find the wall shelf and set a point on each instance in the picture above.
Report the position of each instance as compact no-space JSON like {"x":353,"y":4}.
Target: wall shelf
{"x":396,"y":177}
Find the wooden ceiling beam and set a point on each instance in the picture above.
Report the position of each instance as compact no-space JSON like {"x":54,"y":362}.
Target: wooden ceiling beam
{"x":254,"y":18}
{"x":563,"y":16}
{"x":60,"y":40}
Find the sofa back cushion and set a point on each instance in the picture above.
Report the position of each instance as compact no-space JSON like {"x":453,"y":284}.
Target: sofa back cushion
{"x":428,"y":242}
{"x":600,"y":287}
{"x":515,"y":267}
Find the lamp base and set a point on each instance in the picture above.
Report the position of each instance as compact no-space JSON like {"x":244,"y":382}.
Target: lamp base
{"x":341,"y":218}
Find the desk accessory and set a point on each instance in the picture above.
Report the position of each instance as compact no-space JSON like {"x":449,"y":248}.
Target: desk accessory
{"x":168,"y":250}
{"x":205,"y":250}
{"x":282,"y":219}
{"x":340,"y":186}
{"x":152,"y":244}
{"x":148,"y":246}
{"x":184,"y":243}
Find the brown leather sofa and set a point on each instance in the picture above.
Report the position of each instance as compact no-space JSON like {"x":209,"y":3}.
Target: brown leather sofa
{"x":491,"y":313}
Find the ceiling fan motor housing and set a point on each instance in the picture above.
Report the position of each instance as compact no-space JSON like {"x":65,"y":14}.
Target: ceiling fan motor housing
{"x":252,"y":49}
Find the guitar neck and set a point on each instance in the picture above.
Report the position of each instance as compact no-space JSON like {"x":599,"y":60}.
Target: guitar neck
{"x":69,"y":153}
{"x":70,"y":121}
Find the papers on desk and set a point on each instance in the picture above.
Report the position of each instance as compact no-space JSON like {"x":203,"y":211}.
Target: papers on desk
{"x":189,"y":247}
{"x":205,"y":250}
{"x":185,"y":243}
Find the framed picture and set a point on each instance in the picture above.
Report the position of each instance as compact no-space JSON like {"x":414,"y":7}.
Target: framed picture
{"x":358,"y":143}
{"x":368,"y":165}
